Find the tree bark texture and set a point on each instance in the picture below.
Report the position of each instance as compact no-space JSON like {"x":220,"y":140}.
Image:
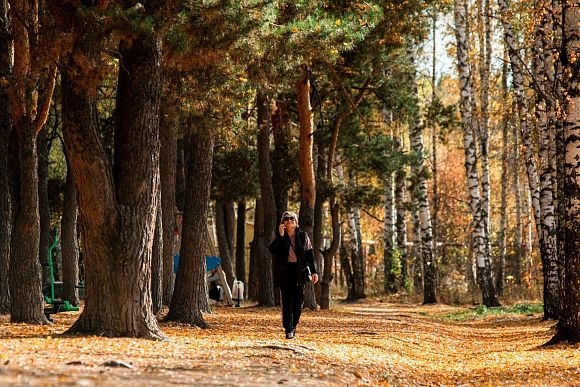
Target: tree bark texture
{"x":28,"y":117}
{"x":118,"y":210}
{"x":190,"y":293}
{"x":389,"y":237}
{"x":241,"y":243}
{"x":157,"y":261}
{"x":266,"y":297}
{"x":401,"y":225}
{"x":542,"y":197}
{"x":283,"y":162}
{"x":478,"y":233}
{"x":6,"y":56}
{"x":503,"y":222}
{"x":253,"y":275}
{"x":419,"y":170}
{"x":545,"y":120}
{"x":230,"y":220}
{"x":329,"y":257}
{"x":568,"y":327}
{"x":69,"y":241}
{"x":43,"y":148}
{"x":307,"y":181}
{"x":167,"y":166}
{"x":222,"y":241}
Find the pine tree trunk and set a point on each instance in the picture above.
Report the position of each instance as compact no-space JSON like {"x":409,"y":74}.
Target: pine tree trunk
{"x":568,"y":327}
{"x":241,"y":242}
{"x":329,"y":256}
{"x":167,"y":166}
{"x":266,"y":297}
{"x":281,"y":164}
{"x":420,"y":192}
{"x":69,"y":241}
{"x":180,"y":177}
{"x":307,"y":181}
{"x":317,"y":234}
{"x":5,"y":132}
{"x":157,"y":261}
{"x":253,"y":277}
{"x":222,"y":241}
{"x":118,"y":211}
{"x":42,"y":146}
{"x":345,"y":258}
{"x":190,"y":293}
{"x":24,"y":276}
{"x":478,"y":226}
{"x":230,"y":219}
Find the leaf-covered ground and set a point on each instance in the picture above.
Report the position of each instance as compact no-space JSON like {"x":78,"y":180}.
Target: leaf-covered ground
{"x":356,"y":344}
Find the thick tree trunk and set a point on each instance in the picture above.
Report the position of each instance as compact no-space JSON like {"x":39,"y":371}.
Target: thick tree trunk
{"x":345,"y":259}
{"x":241,"y":243}
{"x":167,"y":166}
{"x":222,"y":241}
{"x":542,"y":200}
{"x":26,"y":303}
{"x":28,"y":116}
{"x":180,"y":177}
{"x":69,"y":241}
{"x":568,"y":327}
{"x":266,"y":297}
{"x":118,"y":215}
{"x":190,"y":293}
{"x":545,"y":120}
{"x":479,"y":236}
{"x":5,"y":132}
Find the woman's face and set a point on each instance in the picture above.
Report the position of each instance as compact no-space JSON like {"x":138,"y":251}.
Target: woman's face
{"x":289,"y":223}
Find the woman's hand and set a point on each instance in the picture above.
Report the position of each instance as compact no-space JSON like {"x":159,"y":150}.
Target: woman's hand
{"x":314,"y":278}
{"x":281,"y":229}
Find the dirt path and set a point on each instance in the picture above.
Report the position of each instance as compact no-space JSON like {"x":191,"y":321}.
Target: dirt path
{"x":351,"y":345}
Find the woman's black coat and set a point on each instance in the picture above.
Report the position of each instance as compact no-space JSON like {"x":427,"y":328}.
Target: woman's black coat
{"x":280,"y":248}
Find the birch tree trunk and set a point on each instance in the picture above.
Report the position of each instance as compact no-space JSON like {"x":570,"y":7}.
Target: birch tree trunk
{"x":545,"y":120}
{"x":543,"y":216}
{"x":401,"y":225}
{"x":478,"y":233}
{"x":503,"y":222}
{"x":419,"y":170}
{"x":519,"y":234}
{"x":389,"y":237}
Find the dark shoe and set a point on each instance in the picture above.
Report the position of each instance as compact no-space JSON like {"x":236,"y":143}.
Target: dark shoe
{"x":290,"y":335}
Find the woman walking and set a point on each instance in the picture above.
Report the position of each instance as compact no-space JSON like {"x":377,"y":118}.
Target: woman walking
{"x":293,"y":267}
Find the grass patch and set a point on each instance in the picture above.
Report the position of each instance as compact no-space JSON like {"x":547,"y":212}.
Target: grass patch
{"x":483,"y":311}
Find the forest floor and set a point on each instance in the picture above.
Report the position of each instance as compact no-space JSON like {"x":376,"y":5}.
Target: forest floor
{"x":370,"y":343}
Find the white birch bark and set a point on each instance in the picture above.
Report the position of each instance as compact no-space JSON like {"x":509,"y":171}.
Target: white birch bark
{"x":419,"y":170}
{"x":478,"y":235}
{"x":545,"y":120}
{"x":541,"y":196}
{"x":389,"y":236}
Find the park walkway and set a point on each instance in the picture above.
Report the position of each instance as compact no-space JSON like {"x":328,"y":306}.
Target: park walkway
{"x":369,"y":343}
